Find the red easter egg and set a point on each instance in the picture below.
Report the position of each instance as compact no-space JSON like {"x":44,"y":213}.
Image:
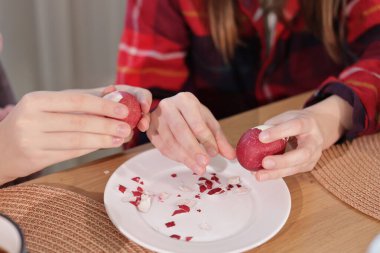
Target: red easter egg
{"x":134,"y":108}
{"x":250,"y":151}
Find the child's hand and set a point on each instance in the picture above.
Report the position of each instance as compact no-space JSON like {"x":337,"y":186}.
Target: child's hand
{"x":185,"y":130}
{"x":309,"y":139}
{"x":314,"y":129}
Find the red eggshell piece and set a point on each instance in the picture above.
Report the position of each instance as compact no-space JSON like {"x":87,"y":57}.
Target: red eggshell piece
{"x":250,"y":151}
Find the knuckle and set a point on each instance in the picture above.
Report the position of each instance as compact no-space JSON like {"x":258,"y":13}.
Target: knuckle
{"x":165,"y":104}
{"x":200,"y":129}
{"x":187,"y":96}
{"x":28,"y":100}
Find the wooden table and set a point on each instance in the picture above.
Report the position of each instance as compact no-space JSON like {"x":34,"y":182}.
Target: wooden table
{"x":318,"y":222}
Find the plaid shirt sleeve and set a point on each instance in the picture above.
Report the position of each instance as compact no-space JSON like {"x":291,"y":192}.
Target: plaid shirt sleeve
{"x":153,"y":49}
{"x":359,"y":83}
{"x":153,"y":46}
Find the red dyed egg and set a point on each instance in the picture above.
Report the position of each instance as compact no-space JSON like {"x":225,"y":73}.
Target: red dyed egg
{"x":134,"y":108}
{"x":250,"y":151}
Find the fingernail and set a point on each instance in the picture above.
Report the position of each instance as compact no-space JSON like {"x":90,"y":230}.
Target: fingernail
{"x":211,"y":151}
{"x":117,"y":141}
{"x":123,"y":130}
{"x":201,"y":160}
{"x":269,"y":164}
{"x":263,"y":136}
{"x":121,"y":110}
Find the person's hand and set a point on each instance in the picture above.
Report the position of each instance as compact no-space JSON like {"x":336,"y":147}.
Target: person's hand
{"x":45,"y":128}
{"x":308,"y":139}
{"x":142,"y":95}
{"x":185,"y":131}
{"x":311,"y":130}
{"x":5,"y":111}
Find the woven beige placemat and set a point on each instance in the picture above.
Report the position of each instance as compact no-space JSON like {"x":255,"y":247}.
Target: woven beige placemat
{"x":351,"y":171}
{"x":57,"y":220}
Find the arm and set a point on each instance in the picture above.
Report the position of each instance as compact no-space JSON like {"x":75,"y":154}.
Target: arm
{"x":359,"y":83}
{"x":152,"y":55}
{"x":153,"y":47}
{"x":345,"y":106}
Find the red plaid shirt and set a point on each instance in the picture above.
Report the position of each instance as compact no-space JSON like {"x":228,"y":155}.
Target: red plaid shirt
{"x":166,"y":47}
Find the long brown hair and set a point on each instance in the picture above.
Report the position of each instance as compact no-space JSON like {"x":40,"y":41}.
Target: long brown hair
{"x":320,"y":16}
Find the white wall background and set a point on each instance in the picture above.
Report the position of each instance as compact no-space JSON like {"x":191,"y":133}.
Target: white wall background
{"x":60,"y":44}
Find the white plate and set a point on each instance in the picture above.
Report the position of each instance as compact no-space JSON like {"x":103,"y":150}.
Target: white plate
{"x":238,"y":222}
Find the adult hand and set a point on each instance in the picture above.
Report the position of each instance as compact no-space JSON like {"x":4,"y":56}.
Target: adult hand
{"x":45,"y":128}
{"x":186,"y":131}
{"x":312,"y":129}
{"x":142,"y":95}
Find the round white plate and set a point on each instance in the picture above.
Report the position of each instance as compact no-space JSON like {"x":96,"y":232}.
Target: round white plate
{"x":230,"y":222}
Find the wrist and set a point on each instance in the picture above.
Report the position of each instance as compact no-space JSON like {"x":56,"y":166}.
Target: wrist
{"x":333,"y":116}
